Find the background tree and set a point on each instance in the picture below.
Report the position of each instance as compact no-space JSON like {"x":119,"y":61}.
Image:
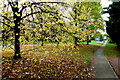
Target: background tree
{"x":87,"y":18}
{"x":113,"y":28}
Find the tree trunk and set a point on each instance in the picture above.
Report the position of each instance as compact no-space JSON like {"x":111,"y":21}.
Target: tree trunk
{"x":3,"y":40}
{"x":87,"y":40}
{"x":17,"y":43}
{"x":75,"y":41}
{"x":58,"y":43}
{"x":16,"y":31}
{"x":42,"y":42}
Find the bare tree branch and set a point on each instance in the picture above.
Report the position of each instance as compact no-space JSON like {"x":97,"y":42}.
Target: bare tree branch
{"x":23,"y":7}
{"x":11,"y":5}
{"x":38,"y":12}
{"x":5,"y":24}
{"x":29,"y":15}
{"x":6,"y":18}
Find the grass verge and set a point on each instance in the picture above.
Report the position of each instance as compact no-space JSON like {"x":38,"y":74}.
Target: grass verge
{"x":111,"y":50}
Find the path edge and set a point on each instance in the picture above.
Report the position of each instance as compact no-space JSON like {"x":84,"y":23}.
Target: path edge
{"x":112,"y":68}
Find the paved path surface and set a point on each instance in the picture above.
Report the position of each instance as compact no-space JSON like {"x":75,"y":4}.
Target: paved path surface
{"x":103,"y":68}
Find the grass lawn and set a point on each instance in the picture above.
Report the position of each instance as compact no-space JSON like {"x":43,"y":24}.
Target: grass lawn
{"x":49,"y":61}
{"x":111,"y":50}
{"x":95,"y":43}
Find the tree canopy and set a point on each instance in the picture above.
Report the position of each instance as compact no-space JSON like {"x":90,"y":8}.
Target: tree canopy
{"x":49,"y":21}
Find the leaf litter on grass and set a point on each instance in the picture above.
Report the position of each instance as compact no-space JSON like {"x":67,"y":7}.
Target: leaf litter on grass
{"x":49,"y":65}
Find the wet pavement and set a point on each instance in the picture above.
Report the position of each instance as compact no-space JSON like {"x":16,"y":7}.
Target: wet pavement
{"x":104,"y":71}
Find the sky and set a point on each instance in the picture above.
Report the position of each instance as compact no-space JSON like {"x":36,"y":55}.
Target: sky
{"x":105,"y":3}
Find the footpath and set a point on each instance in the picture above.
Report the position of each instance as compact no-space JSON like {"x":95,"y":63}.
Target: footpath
{"x":103,"y":69}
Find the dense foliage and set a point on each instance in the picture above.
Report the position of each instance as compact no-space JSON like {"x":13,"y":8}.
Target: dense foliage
{"x":113,"y":28}
{"x":36,"y":22}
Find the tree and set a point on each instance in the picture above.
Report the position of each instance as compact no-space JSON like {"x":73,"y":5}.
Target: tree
{"x":87,"y":18}
{"x":113,"y":28}
{"x":40,"y":21}
{"x":95,"y":21}
{"x":18,"y":17}
{"x":77,"y":22}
